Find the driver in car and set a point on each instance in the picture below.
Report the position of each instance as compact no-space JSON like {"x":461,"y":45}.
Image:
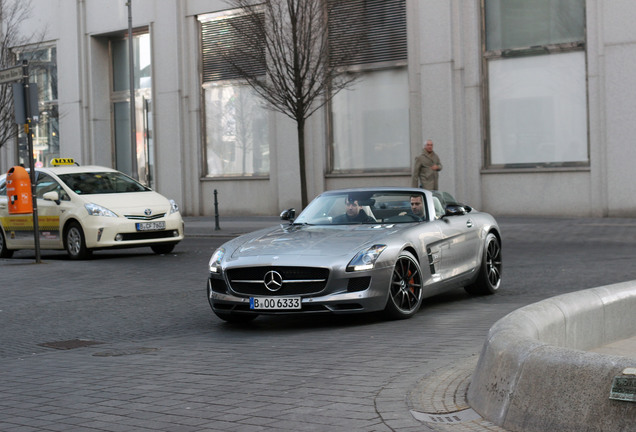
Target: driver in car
{"x":417,"y":207}
{"x":353,"y":213}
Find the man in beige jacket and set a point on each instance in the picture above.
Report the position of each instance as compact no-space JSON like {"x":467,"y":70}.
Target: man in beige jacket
{"x":426,"y":168}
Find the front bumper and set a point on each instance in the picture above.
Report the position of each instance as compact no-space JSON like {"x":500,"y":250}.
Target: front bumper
{"x":105,"y":232}
{"x":344,"y":293}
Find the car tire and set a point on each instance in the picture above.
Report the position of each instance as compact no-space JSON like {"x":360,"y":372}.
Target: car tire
{"x":164,"y":248}
{"x":75,"y":242}
{"x":489,"y":277}
{"x":405,"y":290}
{"x":236,"y":318}
{"x":4,"y":252}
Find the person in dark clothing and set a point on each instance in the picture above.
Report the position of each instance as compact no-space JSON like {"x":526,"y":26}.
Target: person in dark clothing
{"x":353,"y":213}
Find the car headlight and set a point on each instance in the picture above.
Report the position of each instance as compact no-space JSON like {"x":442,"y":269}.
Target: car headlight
{"x":215,"y":261}
{"x":97,"y":210}
{"x":365,"y":259}
{"x":174,"y":208}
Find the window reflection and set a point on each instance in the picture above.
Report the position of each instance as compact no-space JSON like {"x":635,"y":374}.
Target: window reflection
{"x":371,"y":123}
{"x":42,"y":63}
{"x":537,"y":89}
{"x":236,"y":131}
{"x":142,"y":60}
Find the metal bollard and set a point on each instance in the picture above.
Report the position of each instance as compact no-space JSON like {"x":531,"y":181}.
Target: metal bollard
{"x":216,"y":212}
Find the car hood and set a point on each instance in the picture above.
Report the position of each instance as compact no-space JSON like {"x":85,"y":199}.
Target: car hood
{"x":130,"y":203}
{"x":310,"y":240}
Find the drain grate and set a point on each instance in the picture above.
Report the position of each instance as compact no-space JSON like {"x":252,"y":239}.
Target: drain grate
{"x":69,"y":344}
{"x":450,"y":418}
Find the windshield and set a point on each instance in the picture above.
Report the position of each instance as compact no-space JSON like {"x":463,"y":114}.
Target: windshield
{"x":108,"y":182}
{"x":364,"y":207}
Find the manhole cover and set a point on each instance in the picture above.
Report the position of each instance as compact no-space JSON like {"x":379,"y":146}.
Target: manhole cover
{"x":69,"y":344}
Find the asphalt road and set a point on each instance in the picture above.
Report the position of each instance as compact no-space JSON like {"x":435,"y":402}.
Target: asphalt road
{"x":158,"y":359}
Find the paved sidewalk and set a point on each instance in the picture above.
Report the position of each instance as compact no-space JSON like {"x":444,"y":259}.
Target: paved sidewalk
{"x":174,"y":383}
{"x":227,"y":226}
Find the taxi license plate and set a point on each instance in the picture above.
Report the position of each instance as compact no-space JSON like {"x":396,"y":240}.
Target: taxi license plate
{"x":275,"y":303}
{"x":151,"y":226}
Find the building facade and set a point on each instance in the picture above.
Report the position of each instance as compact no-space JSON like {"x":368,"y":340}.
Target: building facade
{"x":529,"y":104}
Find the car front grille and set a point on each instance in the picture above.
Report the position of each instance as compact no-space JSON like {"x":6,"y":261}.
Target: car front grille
{"x":144,"y":217}
{"x":295,"y":280}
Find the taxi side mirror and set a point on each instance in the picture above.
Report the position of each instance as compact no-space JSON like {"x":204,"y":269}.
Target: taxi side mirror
{"x":52,"y":196}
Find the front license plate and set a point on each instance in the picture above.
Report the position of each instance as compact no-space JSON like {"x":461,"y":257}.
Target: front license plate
{"x":273,"y":303}
{"x":151,"y":226}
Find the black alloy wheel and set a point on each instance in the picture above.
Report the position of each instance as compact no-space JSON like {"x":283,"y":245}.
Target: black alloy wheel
{"x":405,"y":291}
{"x":489,"y":277}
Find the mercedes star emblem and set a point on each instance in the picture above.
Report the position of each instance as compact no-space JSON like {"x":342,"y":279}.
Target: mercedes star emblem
{"x":273,"y":280}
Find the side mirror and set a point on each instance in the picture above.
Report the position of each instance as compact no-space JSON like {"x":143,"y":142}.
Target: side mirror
{"x":52,"y":196}
{"x":455,"y":210}
{"x":288,"y":215}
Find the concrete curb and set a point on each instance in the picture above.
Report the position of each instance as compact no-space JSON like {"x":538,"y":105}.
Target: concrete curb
{"x":535,"y":375}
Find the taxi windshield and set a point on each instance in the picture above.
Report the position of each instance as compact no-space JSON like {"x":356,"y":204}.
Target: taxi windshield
{"x":87,"y":183}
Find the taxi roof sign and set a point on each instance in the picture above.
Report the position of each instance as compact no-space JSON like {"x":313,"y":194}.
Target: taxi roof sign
{"x":62,"y":161}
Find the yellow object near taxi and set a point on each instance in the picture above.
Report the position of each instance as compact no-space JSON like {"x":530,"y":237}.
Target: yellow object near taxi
{"x":62,"y":161}
{"x":87,"y":208}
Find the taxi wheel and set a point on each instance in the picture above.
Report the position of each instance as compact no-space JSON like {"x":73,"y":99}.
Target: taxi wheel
{"x":4,"y":252}
{"x":75,"y":243}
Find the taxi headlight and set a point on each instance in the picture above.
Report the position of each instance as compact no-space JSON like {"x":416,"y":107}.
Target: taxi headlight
{"x":97,"y":210}
{"x":365,"y":259}
{"x":174,"y":208}
{"x":215,"y":261}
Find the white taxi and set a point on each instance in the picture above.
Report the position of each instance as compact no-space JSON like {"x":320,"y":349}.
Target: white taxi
{"x":86,"y":208}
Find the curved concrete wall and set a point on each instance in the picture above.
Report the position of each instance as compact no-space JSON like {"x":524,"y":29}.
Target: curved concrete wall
{"x":535,"y":375}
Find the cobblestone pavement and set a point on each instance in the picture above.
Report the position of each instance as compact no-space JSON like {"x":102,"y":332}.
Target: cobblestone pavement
{"x":145,"y":353}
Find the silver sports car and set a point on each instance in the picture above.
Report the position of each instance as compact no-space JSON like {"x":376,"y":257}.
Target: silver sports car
{"x":357,"y":250}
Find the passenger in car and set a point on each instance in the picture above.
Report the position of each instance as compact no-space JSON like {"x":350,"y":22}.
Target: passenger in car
{"x":353,"y":213}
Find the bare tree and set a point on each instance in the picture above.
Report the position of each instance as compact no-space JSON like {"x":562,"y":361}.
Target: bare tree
{"x":12,"y":14}
{"x":297,"y":73}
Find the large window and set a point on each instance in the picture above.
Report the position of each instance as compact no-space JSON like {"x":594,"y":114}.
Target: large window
{"x":236,"y":131}
{"x":371,"y":123}
{"x":236,"y":126}
{"x":42,"y":63}
{"x":120,"y":97}
{"x":370,"y":120}
{"x":537,"y":100}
